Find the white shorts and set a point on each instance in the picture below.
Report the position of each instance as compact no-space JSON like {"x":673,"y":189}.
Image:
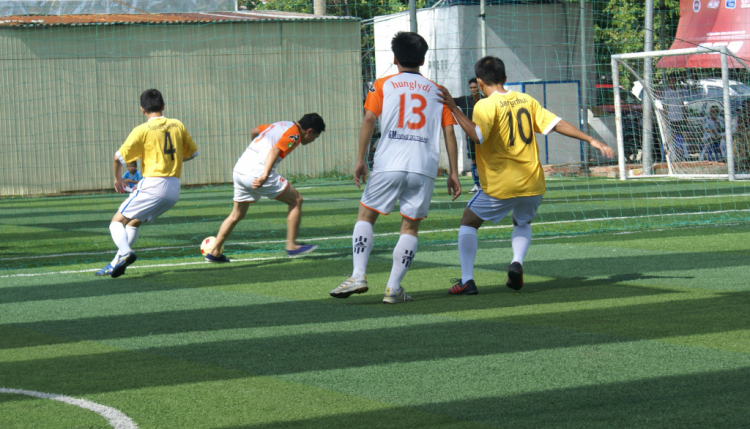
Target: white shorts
{"x":413,"y":191}
{"x":491,"y":208}
{"x":154,"y":196}
{"x":274,"y":186}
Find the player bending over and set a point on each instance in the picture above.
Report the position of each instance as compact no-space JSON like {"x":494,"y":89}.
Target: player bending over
{"x":510,"y":172}
{"x":163,"y":144}
{"x":405,"y":164}
{"x":255,"y":176}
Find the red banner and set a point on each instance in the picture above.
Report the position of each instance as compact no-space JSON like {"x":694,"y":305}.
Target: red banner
{"x":711,"y":23}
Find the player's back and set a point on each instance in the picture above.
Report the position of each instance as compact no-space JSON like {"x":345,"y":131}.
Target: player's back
{"x":283,"y":134}
{"x":508,"y":158}
{"x":161,"y":143}
{"x":411,"y":119}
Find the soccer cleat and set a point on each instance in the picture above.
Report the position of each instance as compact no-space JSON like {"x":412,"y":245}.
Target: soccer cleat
{"x":122,"y":263}
{"x":350,"y":286}
{"x":106,"y":271}
{"x":474,"y":189}
{"x":515,"y":276}
{"x":303,"y":248}
{"x":468,"y":288}
{"x":397,"y":297}
{"x":218,"y":259}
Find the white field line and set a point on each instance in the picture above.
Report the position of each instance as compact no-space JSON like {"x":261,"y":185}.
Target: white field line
{"x":134,"y":267}
{"x":348,"y":237}
{"x":177,"y":264}
{"x":115,"y":417}
{"x":693,"y":197}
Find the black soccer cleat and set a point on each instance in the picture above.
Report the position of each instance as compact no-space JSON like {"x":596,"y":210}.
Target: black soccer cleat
{"x":468,"y":288}
{"x":515,"y":276}
{"x":122,"y":263}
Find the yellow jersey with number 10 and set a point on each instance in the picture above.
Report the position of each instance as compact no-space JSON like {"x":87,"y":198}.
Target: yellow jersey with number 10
{"x":160,"y":143}
{"x":508,"y":158}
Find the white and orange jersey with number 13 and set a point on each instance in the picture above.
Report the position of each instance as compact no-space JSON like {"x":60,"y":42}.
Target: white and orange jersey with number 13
{"x":411,"y":119}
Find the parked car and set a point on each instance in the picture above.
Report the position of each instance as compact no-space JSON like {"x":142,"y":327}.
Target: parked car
{"x":605,"y":100}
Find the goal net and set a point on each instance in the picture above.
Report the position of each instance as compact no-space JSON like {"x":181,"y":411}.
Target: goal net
{"x":701,"y":114}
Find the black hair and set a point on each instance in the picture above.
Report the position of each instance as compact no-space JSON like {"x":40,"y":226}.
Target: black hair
{"x":491,"y":70}
{"x":472,"y":80}
{"x":409,"y":49}
{"x":134,"y":162}
{"x":314,"y":121}
{"x":152,"y":101}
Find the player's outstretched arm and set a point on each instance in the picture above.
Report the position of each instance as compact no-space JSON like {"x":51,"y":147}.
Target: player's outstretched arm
{"x":470,"y":128}
{"x":454,"y":186}
{"x":565,"y":128}
{"x":119,"y":183}
{"x":365,"y":135}
{"x":255,"y":132}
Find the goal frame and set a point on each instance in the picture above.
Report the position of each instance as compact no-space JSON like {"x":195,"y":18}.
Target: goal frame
{"x":619,"y":59}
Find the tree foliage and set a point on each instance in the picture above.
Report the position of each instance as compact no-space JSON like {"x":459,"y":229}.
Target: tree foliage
{"x":619,"y":27}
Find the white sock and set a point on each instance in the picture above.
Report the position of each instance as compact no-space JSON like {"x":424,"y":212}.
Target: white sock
{"x":467,"y":251}
{"x":361,"y":247}
{"x":132,"y":232}
{"x":520,"y":241}
{"x":403,"y":256}
{"x":120,"y":237}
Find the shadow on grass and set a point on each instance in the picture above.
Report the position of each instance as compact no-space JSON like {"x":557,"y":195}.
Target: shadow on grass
{"x":711,"y":399}
{"x":301,"y":346}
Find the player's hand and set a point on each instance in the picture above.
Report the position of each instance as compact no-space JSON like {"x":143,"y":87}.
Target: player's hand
{"x":603,"y":148}
{"x":120,"y":185}
{"x":446,"y":97}
{"x":360,"y":173}
{"x":454,"y":186}
{"x":260,"y":180}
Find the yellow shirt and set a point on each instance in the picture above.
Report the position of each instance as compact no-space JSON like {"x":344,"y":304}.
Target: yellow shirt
{"x":161,"y":143}
{"x":508,"y":158}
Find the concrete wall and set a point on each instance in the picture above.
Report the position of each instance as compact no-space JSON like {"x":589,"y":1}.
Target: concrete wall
{"x":70,"y":95}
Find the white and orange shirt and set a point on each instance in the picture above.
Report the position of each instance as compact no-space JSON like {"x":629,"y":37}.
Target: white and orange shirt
{"x":411,"y":118}
{"x":284,"y":135}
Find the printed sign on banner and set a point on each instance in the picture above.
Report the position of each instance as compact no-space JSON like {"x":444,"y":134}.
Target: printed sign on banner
{"x":714,"y":26}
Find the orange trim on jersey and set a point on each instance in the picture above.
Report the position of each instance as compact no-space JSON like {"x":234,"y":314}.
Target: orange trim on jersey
{"x":374,"y":100}
{"x":411,"y":218}
{"x":288,"y":141}
{"x":284,"y":190}
{"x":447,"y":118}
{"x":370,"y":208}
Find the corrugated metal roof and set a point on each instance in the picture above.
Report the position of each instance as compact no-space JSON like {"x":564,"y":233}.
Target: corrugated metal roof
{"x":164,"y":18}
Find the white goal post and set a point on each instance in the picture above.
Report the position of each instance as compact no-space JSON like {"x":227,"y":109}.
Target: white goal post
{"x":673,"y":157}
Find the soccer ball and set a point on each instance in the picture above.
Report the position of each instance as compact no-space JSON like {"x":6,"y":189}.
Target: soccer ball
{"x":208,"y":244}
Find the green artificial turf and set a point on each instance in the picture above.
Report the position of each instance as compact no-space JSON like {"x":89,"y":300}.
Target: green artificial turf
{"x":615,"y":329}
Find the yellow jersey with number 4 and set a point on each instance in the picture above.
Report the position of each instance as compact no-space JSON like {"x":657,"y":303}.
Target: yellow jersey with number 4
{"x":508,"y":158}
{"x":160,"y":143}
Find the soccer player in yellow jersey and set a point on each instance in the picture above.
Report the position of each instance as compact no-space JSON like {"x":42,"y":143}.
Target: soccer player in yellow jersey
{"x":162,"y":144}
{"x":508,"y":163}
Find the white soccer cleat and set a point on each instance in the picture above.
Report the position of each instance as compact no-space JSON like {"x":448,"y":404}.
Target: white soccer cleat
{"x":350,"y":286}
{"x":395,"y":297}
